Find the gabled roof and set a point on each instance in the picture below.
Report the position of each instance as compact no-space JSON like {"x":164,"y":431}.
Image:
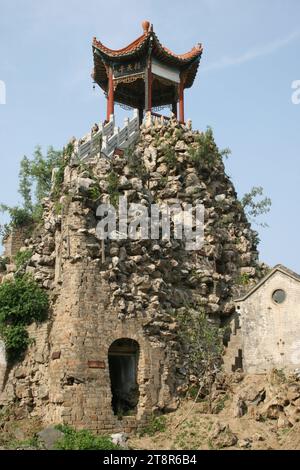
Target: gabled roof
{"x":278,"y":268}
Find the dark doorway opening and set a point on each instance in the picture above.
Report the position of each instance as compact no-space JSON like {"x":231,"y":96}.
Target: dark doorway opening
{"x":238,"y":362}
{"x":123,"y":357}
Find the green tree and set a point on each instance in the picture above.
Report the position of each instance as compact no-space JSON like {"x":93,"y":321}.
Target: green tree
{"x":19,"y":217}
{"x":255,"y":204}
{"x":207,"y":151}
{"x":37,"y":174}
{"x":25,"y":182}
{"x":202,"y":343}
{"x":40,"y":170}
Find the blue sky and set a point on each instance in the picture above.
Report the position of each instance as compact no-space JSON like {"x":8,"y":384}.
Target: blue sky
{"x":243,"y":88}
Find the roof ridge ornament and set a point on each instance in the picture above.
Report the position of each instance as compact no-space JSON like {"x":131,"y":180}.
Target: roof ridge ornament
{"x":146,"y":25}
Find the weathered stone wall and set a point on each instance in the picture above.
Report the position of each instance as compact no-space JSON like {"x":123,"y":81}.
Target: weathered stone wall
{"x":270,"y":331}
{"x":15,"y":241}
{"x":128,"y":289}
{"x":233,"y":353}
{"x":27,"y":381}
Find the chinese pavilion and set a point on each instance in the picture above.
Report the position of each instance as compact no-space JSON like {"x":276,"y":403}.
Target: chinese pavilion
{"x":145,"y":75}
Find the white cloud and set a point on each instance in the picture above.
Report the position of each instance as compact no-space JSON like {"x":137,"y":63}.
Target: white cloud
{"x":252,"y":54}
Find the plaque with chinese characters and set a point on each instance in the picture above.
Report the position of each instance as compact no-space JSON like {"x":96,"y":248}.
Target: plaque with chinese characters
{"x":131,"y":68}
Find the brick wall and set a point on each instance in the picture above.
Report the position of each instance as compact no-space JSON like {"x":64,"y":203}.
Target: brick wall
{"x":15,"y":241}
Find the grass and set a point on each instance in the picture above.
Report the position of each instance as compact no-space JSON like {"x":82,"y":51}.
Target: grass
{"x":32,"y":442}
{"x":94,"y":193}
{"x":156,"y":424}
{"x":221,"y":404}
{"x":243,"y":279}
{"x":83,"y":440}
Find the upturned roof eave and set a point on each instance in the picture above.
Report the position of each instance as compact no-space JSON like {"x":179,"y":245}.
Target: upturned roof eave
{"x":163,"y":53}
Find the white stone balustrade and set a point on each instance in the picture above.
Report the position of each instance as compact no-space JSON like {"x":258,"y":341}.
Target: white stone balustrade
{"x":107,"y":138}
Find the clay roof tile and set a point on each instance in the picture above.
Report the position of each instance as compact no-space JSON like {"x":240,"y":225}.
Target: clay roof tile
{"x":163,"y":52}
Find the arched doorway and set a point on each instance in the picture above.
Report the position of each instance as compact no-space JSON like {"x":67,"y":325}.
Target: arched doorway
{"x":123,"y":357}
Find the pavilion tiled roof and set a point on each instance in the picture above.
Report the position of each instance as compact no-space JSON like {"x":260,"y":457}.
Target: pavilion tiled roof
{"x":188,"y":61}
{"x":163,"y":52}
{"x":129,"y":50}
{"x":178,"y":59}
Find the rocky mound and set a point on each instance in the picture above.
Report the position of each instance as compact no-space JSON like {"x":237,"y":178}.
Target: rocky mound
{"x":137,"y":283}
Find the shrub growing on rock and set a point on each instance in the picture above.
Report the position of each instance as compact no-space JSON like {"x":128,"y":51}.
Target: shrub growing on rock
{"x":22,"y":258}
{"x":202,"y":342}
{"x":22,"y":302}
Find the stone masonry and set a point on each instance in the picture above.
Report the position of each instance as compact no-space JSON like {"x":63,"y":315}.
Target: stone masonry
{"x":125,"y":289}
{"x":270,"y":330}
{"x":15,"y":241}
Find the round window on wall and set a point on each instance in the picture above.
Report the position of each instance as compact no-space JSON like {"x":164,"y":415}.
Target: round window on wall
{"x":279,"y":296}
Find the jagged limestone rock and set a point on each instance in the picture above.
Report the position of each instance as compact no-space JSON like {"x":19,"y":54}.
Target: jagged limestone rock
{"x":122,"y":288}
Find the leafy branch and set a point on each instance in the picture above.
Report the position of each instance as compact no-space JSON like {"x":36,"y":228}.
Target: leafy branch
{"x":36,"y":183}
{"x":207,"y":151}
{"x":256,"y":205}
{"x":202,"y":342}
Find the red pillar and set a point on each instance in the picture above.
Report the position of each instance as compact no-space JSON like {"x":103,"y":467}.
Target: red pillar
{"x":181,"y":101}
{"x":174,"y":108}
{"x":150,"y":78}
{"x":110,"y":95}
{"x":148,"y":87}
